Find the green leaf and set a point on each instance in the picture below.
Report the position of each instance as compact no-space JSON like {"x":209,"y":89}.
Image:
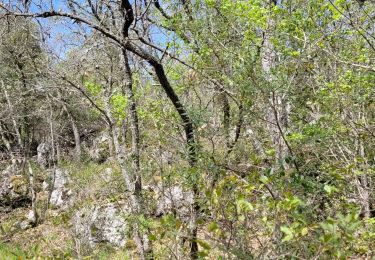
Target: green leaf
{"x":152,"y":237}
{"x":288,"y":233}
{"x":304,"y":231}
{"x":264,"y":179}
{"x":270,"y":152}
{"x":93,"y":88}
{"x":204,"y":244}
{"x":330,"y":189}
{"x":244,"y":206}
{"x":212,"y":226}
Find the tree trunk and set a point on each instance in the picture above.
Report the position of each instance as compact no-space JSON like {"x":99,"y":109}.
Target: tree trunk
{"x":143,"y":243}
{"x":362,"y":182}
{"x":35,"y":218}
{"x":5,"y":141}
{"x":77,"y":138}
{"x":189,"y":133}
{"x":278,"y":113}
{"x":226,"y":119}
{"x":54,"y":158}
{"x":15,"y":124}
{"x":268,"y":60}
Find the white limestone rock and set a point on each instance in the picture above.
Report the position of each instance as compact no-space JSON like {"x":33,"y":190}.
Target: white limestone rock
{"x":101,"y":224}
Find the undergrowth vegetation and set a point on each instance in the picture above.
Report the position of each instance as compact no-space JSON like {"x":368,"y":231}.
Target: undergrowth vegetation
{"x":205,"y":129}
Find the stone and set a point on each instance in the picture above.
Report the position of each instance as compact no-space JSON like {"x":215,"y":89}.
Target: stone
{"x":14,"y":188}
{"x":45,"y":186}
{"x":101,"y":224}
{"x":107,"y":174}
{"x":43,"y":154}
{"x":23,"y":225}
{"x":30,"y":216}
{"x":174,"y":199}
{"x":107,"y":223}
{"x":99,"y":151}
{"x":60,"y":193}
{"x":166,"y":157}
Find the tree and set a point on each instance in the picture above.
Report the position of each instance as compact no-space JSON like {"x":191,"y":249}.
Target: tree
{"x":271,"y":101}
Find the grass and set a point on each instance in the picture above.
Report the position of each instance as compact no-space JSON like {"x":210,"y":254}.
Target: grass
{"x":10,"y":253}
{"x":88,"y":186}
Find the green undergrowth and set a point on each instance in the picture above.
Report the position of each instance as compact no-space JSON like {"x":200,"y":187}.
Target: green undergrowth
{"x":9,"y":253}
{"x":90,"y":183}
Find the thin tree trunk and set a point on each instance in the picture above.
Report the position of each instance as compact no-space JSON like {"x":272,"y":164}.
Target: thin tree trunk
{"x":268,"y":60}
{"x":6,"y":142}
{"x":132,"y":189}
{"x":190,"y":139}
{"x":53,"y":160}
{"x":136,"y":179}
{"x":134,"y":125}
{"x":226,"y":118}
{"x":129,"y":165}
{"x":112,"y":133}
{"x":363,"y":185}
{"x":35,"y":218}
{"x":237,"y":130}
{"x":128,"y":15}
{"x":77,"y":138}
{"x":278,"y":113}
{"x":15,"y":125}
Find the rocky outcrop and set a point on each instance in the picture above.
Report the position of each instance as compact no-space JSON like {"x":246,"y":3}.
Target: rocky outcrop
{"x":14,"y":191}
{"x":26,"y":222}
{"x":107,"y":174}
{"x":108,"y":222}
{"x":101,"y":224}
{"x":173,"y":199}
{"x":61,"y":194}
{"x":100,"y":149}
{"x":43,"y":154}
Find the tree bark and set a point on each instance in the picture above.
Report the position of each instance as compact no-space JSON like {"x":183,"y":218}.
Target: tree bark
{"x":142,"y":240}
{"x":362,"y":182}
{"x":15,"y":124}
{"x":35,"y":218}
{"x":276,"y":99}
{"x":77,"y":138}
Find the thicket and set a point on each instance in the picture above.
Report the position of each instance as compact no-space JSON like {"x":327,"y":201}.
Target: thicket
{"x":263,"y":110}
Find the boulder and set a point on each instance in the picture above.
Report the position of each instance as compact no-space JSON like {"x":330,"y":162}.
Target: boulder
{"x":31,"y":216}
{"x":61,"y":194}
{"x":14,"y":188}
{"x":174,"y":199}
{"x":101,"y":224}
{"x":26,"y":223}
{"x":107,"y":223}
{"x":166,"y":157}
{"x":43,"y":154}
{"x":107,"y":174}
{"x":21,"y":225}
{"x":100,"y":150}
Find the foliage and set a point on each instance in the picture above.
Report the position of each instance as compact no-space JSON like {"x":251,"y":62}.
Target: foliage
{"x":261,"y":112}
